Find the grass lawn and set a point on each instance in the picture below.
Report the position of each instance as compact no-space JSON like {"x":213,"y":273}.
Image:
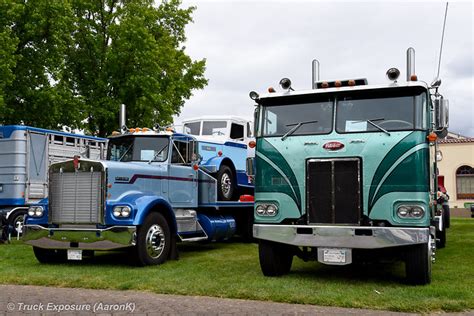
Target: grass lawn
{"x":232,"y":270}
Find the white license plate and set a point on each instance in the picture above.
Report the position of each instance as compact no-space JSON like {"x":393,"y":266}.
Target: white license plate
{"x":73,"y":254}
{"x":334,"y":255}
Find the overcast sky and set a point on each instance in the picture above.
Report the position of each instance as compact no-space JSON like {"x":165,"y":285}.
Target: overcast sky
{"x":251,"y":45}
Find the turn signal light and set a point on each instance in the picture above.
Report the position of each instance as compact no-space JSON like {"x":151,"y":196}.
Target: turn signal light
{"x":252,"y":144}
{"x":195,"y":167}
{"x":432,"y":137}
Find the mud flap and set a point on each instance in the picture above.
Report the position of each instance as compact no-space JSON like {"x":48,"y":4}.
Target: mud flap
{"x":173,"y":255}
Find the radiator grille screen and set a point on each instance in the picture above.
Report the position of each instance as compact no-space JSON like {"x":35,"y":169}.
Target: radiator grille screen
{"x":75,"y":197}
{"x":333,"y":191}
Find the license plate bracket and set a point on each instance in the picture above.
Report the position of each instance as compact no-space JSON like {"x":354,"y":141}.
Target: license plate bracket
{"x":74,"y":254}
{"x":335,"y":256}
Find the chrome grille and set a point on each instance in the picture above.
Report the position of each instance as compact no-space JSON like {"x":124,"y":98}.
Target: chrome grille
{"x":75,"y":197}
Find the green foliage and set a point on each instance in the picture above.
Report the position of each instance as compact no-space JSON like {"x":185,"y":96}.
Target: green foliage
{"x":232,"y":270}
{"x":75,"y":61}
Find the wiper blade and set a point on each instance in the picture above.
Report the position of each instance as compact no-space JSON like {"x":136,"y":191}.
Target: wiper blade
{"x":371,"y":122}
{"x":157,"y":154}
{"x":297,"y":125}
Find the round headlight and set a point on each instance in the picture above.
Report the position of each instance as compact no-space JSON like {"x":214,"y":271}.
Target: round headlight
{"x":417,"y":212}
{"x":31,"y":212}
{"x":39,"y":212}
{"x":271,"y":210}
{"x":260,"y":209}
{"x":403,"y":211}
{"x":117,"y":211}
{"x":125,"y":211}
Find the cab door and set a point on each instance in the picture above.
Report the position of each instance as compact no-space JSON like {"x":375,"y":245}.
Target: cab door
{"x":182,"y":178}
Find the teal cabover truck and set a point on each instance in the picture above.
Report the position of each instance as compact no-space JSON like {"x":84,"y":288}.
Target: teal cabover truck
{"x":347,"y":171}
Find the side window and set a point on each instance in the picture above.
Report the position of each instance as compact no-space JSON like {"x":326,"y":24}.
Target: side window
{"x":236,"y":131}
{"x":181,"y":153}
{"x":192,"y":128}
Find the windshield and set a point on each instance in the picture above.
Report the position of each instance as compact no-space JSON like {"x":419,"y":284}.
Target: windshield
{"x":372,"y":115}
{"x":305,"y":118}
{"x":141,"y":148}
{"x":214,"y":128}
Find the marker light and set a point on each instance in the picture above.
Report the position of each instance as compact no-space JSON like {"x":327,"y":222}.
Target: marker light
{"x":324,"y":84}
{"x":195,"y":167}
{"x":432,"y":137}
{"x":252,"y":144}
{"x":271,"y":90}
{"x":219,"y":153}
{"x":413,"y":78}
{"x":351,"y":83}
{"x":337,"y":83}
{"x":393,"y":74}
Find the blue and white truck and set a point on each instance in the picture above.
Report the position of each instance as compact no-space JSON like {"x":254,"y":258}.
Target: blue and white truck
{"x":154,"y":189}
{"x":25,"y":155}
{"x":223,"y":142}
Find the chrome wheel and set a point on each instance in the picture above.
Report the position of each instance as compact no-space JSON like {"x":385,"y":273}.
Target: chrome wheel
{"x":18,"y":224}
{"x":226,"y":184}
{"x":155,"y":241}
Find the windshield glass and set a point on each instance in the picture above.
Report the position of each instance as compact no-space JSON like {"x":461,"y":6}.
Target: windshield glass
{"x":214,"y":128}
{"x":370,"y":115}
{"x":138,"y":148}
{"x":305,"y":118}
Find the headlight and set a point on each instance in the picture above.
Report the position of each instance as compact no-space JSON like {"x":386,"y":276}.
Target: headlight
{"x":417,"y":212}
{"x":409,"y":211}
{"x":260,"y":210}
{"x":122,"y":211}
{"x":269,"y":209}
{"x":35,"y":211}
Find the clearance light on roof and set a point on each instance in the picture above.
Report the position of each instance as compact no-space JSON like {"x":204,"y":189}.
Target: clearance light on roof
{"x":271,"y":90}
{"x":413,"y":78}
{"x":341,"y":83}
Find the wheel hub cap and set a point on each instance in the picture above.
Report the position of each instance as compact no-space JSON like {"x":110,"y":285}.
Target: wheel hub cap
{"x":155,"y":241}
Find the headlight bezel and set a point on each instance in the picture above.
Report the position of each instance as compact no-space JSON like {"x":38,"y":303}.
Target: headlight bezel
{"x":267,"y":209}
{"x":413,"y":211}
{"x":36,"y":211}
{"x":122,"y":211}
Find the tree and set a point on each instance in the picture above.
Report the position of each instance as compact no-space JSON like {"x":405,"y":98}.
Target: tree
{"x":131,"y":52}
{"x":35,"y":36}
{"x":73,"y":62}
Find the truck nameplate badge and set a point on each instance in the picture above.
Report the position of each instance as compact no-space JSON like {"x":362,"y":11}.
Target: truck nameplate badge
{"x":333,"y":146}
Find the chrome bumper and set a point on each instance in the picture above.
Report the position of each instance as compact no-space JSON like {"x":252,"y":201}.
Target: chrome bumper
{"x":341,"y":236}
{"x":80,"y":238}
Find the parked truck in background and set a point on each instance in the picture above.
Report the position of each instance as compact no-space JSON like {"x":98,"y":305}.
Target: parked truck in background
{"x":25,"y":155}
{"x":153,"y":190}
{"x":347,"y":170}
{"x":223,"y":142}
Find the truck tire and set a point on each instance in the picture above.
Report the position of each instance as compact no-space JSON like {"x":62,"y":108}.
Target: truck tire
{"x":50,"y":255}
{"x":17,"y":221}
{"x":153,"y":240}
{"x":446,"y":216}
{"x":418,"y":264}
{"x":226,"y":184}
{"x":275,"y":258}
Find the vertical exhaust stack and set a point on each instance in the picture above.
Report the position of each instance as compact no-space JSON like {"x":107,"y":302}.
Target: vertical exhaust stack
{"x":410,"y":63}
{"x":122,"y":117}
{"x":315,"y":73}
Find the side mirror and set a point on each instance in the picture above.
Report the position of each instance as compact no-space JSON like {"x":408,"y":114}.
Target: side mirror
{"x":441,"y":107}
{"x":193,"y":150}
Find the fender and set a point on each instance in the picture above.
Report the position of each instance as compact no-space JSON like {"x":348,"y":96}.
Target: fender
{"x":142,"y":205}
{"x":218,"y":161}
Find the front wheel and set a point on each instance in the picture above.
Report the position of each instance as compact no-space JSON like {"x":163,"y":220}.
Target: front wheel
{"x":418,"y":263}
{"x":17,"y":222}
{"x":153,"y":240}
{"x":225,"y":184}
{"x":275,"y":258}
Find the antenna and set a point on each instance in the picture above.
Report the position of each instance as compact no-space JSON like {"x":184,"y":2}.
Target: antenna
{"x":442,"y":41}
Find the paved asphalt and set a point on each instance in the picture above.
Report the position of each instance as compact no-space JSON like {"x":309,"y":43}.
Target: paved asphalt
{"x":19,"y":300}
